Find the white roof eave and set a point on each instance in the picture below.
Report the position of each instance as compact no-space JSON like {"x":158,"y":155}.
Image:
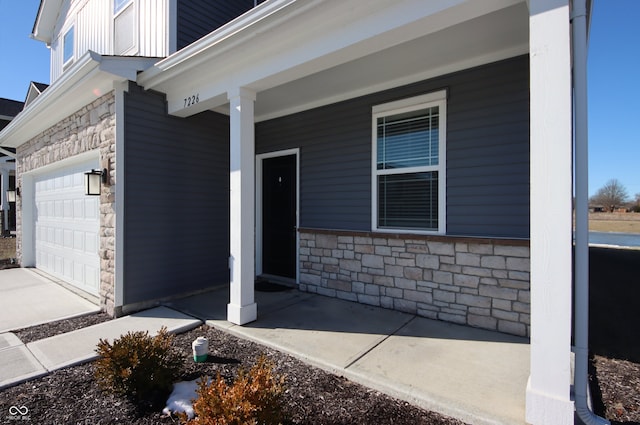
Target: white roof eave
{"x":224,"y":38}
{"x":282,"y":41}
{"x":89,"y":78}
{"x":46,"y":20}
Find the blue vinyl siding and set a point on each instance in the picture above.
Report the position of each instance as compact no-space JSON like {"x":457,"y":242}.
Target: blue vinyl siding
{"x":197,"y":18}
{"x":335,"y":162}
{"x":176,"y":199}
{"x":487,"y":153}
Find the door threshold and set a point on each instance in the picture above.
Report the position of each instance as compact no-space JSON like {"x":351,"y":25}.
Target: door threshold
{"x":272,"y":283}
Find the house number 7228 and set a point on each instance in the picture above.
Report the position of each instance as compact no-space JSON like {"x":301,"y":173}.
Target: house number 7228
{"x":191,"y":100}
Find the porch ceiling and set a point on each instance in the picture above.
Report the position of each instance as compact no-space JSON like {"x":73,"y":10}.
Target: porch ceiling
{"x":297,"y":58}
{"x":485,"y":39}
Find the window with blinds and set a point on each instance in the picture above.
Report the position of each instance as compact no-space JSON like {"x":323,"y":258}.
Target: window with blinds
{"x":408,"y":169}
{"x":408,"y":140}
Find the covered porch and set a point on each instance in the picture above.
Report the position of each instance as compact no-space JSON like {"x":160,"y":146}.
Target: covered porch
{"x":288,"y":56}
{"x":471,"y":374}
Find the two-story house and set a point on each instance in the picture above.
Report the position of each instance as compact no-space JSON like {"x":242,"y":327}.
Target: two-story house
{"x":401,"y":154}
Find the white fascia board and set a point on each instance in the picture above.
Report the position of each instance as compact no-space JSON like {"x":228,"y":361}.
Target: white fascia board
{"x":89,"y":78}
{"x":46,"y":20}
{"x":126,"y":67}
{"x":265,"y":50}
{"x":8,"y":153}
{"x":213,"y":42}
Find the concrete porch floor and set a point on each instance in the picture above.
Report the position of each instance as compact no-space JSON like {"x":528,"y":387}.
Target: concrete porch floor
{"x":475,"y":375}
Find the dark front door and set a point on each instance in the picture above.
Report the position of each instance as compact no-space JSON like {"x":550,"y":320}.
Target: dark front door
{"x":279,"y":216}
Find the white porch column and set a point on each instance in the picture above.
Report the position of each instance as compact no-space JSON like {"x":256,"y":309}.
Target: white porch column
{"x":242,"y":308}
{"x":548,"y":391}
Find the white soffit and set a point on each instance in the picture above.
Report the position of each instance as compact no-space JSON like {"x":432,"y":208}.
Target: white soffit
{"x":46,"y":20}
{"x":482,"y":40}
{"x":295,"y":43}
{"x":91,"y":77}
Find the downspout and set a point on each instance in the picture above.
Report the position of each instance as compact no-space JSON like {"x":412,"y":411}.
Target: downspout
{"x":581,"y":332}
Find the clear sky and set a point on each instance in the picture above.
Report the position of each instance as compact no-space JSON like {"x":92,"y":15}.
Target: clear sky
{"x":614,"y":94}
{"x":614,"y":81}
{"x":22,"y":59}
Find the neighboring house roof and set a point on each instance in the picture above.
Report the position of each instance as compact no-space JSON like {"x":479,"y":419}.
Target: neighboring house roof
{"x":9,"y":108}
{"x":40,"y":86}
{"x":35,"y":90}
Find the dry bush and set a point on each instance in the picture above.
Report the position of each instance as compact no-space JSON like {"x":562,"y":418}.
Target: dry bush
{"x":138,"y":366}
{"x":255,"y":398}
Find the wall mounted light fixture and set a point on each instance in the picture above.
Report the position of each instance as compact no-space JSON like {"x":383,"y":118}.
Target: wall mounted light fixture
{"x":93,"y":180}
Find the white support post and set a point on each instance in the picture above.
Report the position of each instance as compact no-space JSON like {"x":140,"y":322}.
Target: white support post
{"x":548,"y":391}
{"x":242,"y":308}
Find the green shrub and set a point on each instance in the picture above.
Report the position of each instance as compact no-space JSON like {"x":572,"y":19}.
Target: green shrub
{"x":138,"y":366}
{"x":255,"y":398}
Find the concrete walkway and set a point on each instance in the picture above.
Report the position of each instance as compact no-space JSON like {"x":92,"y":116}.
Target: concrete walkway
{"x":29,"y":299}
{"x":20,"y":362}
{"x":477,"y":376}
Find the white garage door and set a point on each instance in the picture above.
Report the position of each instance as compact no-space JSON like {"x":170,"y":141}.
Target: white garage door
{"x":67,"y":226}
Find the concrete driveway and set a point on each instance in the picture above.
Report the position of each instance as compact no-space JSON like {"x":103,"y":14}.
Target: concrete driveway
{"x":28,"y":299}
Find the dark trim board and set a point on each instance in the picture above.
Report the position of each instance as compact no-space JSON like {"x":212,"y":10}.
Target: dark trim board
{"x":434,"y":238}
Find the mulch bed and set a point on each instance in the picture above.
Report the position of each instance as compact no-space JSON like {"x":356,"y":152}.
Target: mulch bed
{"x":70,"y":396}
{"x":615,"y":387}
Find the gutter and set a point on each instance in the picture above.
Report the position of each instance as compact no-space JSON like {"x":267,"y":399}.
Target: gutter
{"x":220,"y":40}
{"x":581,"y":292}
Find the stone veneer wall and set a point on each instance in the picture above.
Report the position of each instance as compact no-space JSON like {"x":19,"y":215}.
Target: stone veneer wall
{"x":7,"y":248}
{"x":90,"y":128}
{"x":472,"y":281}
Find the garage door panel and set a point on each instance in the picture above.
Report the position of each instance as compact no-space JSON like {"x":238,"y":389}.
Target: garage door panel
{"x":67,"y":227}
{"x":91,"y":275}
{"x":78,"y":209}
{"x":68,"y":269}
{"x":90,"y":210}
{"x":90,"y":243}
{"x":68,"y":239}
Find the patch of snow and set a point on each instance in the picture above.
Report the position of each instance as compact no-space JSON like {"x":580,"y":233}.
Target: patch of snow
{"x":182,"y":397}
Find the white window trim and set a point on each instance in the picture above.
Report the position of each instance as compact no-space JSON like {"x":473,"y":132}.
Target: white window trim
{"x":66,"y":63}
{"x":439,"y":99}
{"x":133,"y":50}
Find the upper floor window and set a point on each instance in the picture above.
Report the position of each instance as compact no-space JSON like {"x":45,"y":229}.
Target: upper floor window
{"x":409,"y":165}
{"x":124,"y":30}
{"x":67,"y":47}
{"x":118,"y":5}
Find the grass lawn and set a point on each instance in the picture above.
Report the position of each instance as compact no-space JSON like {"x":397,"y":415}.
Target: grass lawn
{"x":614,"y":222}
